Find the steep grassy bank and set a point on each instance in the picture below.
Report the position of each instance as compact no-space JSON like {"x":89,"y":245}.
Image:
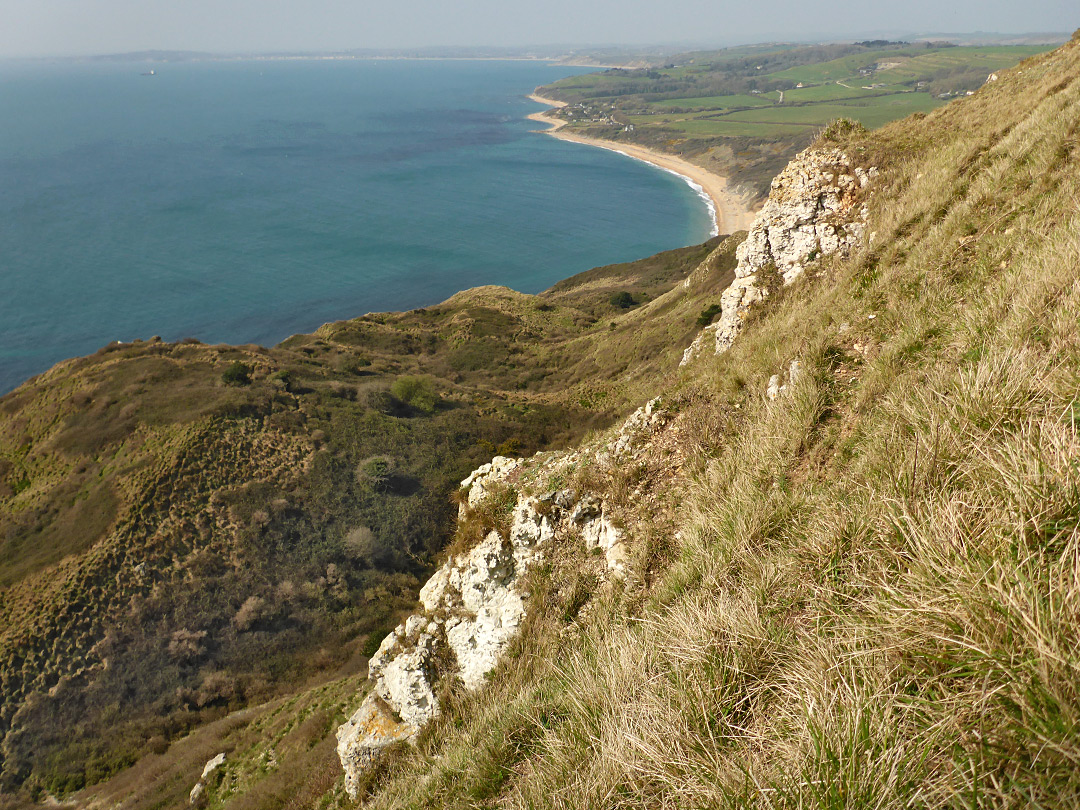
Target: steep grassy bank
{"x":864,"y":593}
{"x":188,"y":529}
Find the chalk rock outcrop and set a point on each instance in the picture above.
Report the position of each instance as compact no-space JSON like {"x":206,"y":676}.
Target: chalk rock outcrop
{"x":598,"y":531}
{"x":814,"y":209}
{"x":474,"y":605}
{"x":776,"y":389}
{"x":640,"y":423}
{"x":485,"y":476}
{"x":197,"y":792}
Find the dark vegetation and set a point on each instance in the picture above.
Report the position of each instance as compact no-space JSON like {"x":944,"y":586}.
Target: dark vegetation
{"x":186,"y":530}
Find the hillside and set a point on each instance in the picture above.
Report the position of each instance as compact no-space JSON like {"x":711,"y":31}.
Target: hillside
{"x":834,"y":562}
{"x":187,"y":529}
{"x":859,"y":589}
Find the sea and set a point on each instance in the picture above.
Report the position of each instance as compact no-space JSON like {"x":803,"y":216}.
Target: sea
{"x":245,"y":201}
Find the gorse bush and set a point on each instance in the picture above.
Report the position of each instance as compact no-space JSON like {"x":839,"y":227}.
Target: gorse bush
{"x":417,"y":392}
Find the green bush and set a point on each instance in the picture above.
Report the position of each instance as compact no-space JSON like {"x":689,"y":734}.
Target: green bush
{"x":839,"y":129}
{"x":237,"y":374}
{"x":375,"y":471}
{"x":707,"y":314}
{"x":281,"y":379}
{"x":416,"y":392}
{"x":622,"y":300}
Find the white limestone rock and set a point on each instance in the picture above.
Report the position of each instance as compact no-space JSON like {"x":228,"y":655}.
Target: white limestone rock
{"x":814,"y":209}
{"x":405,"y":682}
{"x":601,"y":533}
{"x":211,"y":765}
{"x":474,"y":605}
{"x":481,"y":480}
{"x":363,"y":736}
{"x":775,"y":389}
{"x":639,"y":424}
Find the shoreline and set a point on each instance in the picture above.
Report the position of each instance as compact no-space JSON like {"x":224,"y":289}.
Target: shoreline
{"x":728,"y":212}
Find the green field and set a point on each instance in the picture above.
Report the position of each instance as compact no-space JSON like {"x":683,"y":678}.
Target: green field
{"x":731,"y":128}
{"x":873,"y":86}
{"x":834,"y":91}
{"x":773,"y":98}
{"x":717,"y":102}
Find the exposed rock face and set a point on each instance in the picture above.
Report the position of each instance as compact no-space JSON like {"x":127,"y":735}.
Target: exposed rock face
{"x":776,"y":389}
{"x":196,"y":795}
{"x":598,"y":531}
{"x":481,"y":479}
{"x":813,"y":210}
{"x":474,"y":605}
{"x":640,"y":422}
{"x":363,"y":736}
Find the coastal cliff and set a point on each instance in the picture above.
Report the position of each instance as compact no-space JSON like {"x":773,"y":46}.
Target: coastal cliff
{"x":834,"y":562}
{"x":475,"y":603}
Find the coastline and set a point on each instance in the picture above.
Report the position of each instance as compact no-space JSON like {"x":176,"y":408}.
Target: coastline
{"x":729,"y":213}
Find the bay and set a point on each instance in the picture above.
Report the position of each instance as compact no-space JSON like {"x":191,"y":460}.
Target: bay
{"x":245,"y":201}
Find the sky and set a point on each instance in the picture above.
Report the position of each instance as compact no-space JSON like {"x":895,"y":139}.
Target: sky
{"x":82,"y":27}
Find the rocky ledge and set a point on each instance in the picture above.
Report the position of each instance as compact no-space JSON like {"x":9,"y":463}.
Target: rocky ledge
{"x":815,"y":208}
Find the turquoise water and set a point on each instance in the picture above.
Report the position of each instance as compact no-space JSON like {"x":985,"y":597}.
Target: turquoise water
{"x":246,"y":201}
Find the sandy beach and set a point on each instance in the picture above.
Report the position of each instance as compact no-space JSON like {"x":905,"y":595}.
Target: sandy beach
{"x":729,"y":212}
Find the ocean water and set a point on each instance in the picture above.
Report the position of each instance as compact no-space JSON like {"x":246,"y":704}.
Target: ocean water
{"x":246,"y":201}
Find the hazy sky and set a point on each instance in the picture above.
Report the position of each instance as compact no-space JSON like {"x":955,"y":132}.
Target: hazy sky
{"x":63,"y":27}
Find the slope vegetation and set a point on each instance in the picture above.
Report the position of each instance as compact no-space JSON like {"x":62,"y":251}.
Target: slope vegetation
{"x":866,"y":591}
{"x":188,"y":529}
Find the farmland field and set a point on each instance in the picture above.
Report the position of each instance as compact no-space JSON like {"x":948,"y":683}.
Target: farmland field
{"x":765,"y":102}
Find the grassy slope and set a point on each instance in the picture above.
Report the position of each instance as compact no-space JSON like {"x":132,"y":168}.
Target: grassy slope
{"x":866,"y":593}
{"x":172,"y":548}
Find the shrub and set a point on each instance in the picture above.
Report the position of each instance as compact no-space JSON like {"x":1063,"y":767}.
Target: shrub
{"x":361,"y":545}
{"x":237,"y":374}
{"x":253,"y":609}
{"x":375,"y":471}
{"x":186,"y":645}
{"x":622,"y":300}
{"x":281,"y":379}
{"x":416,"y":392}
{"x":384,"y":402}
{"x":839,"y":129}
